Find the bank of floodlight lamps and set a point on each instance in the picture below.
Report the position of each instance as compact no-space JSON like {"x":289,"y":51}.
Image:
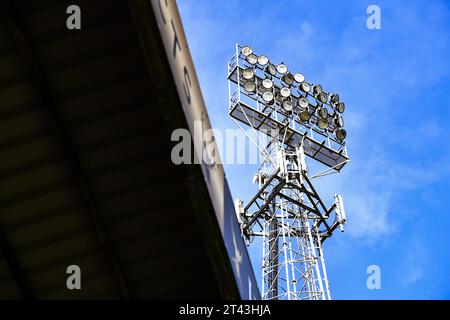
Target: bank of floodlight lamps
{"x":298,"y":119}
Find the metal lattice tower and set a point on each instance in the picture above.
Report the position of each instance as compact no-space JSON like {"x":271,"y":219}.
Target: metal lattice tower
{"x":286,"y":211}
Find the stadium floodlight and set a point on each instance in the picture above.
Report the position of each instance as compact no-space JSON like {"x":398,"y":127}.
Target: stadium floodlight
{"x":307,"y":121}
{"x":317,"y":88}
{"x":252,"y":59}
{"x":287,"y":105}
{"x":305,"y":87}
{"x":334,"y":98}
{"x":288,"y":79}
{"x":305,"y":115}
{"x":298,"y":77}
{"x":322,"y":96}
{"x":341,"y":134}
{"x":322,"y":112}
{"x":339,"y":121}
{"x":322,"y":123}
{"x":246,"y":51}
{"x":263,"y":60}
{"x":248,"y":74}
{"x":285,"y":92}
{"x":267,"y":84}
{"x":250,"y":86}
{"x":340,"y":107}
{"x":270,"y":69}
{"x":268,"y":96}
{"x":282,"y":68}
{"x":303,"y":103}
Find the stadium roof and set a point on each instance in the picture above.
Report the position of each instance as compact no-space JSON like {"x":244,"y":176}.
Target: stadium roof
{"x":85,"y":172}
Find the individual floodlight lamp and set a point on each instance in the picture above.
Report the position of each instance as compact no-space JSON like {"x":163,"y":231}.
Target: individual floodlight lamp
{"x":317,"y":88}
{"x":267,"y":83}
{"x":250,"y":86}
{"x":270,"y":69}
{"x":340,"y":107}
{"x":322,"y":112}
{"x":305,"y":87}
{"x":285,"y":92}
{"x":287,"y":105}
{"x":322,"y":123}
{"x":322,"y":97}
{"x":252,"y":59}
{"x":263,"y":60}
{"x":248,"y":74}
{"x":334,"y":98}
{"x":303,"y":103}
{"x":288,"y":79}
{"x":339,"y":121}
{"x":246,"y":51}
{"x":282,"y":68}
{"x":341,"y":134}
{"x":299,"y":78}
{"x":268,"y":97}
{"x":305,"y":115}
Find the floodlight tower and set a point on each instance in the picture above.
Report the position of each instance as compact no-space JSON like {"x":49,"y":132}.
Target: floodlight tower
{"x":300,"y":119}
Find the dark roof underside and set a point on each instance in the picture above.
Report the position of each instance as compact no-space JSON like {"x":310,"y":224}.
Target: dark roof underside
{"x":85,"y":170}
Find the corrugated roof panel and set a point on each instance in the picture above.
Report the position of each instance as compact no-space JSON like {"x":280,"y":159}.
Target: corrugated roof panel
{"x":9,"y":288}
{"x":26,"y":149}
{"x":17,"y":95}
{"x":12,"y":69}
{"x":118,"y":94}
{"x":26,"y":182}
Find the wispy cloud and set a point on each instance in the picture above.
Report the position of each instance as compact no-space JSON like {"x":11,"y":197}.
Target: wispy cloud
{"x":415,"y":262}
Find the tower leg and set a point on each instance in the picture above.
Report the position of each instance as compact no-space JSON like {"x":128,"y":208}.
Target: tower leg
{"x":272,"y":275}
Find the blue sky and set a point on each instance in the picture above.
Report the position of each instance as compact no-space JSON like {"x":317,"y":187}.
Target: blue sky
{"x":396,"y":84}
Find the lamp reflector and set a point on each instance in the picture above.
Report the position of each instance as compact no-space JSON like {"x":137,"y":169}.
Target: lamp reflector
{"x":340,"y":107}
{"x":249,"y":86}
{"x":335,"y":98}
{"x":322,"y":112}
{"x":298,"y":77}
{"x":339,"y":121}
{"x":263,"y":60}
{"x":305,"y":116}
{"x":246,"y":51}
{"x":303,"y":103}
{"x":305,"y":87}
{"x":248,"y":74}
{"x":285,"y":92}
{"x":252,"y":58}
{"x":341,"y":134}
{"x":322,"y":97}
{"x":288,"y":79}
{"x":267,"y":96}
{"x":322,"y":123}
{"x":282,"y":69}
{"x":317,"y":88}
{"x":287,"y":105}
{"x":267,"y":84}
{"x":270,"y":69}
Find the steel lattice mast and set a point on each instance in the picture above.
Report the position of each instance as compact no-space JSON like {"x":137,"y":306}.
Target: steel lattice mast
{"x":286,"y":211}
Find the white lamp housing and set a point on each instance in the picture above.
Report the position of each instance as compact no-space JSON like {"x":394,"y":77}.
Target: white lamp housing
{"x":340,"y":211}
